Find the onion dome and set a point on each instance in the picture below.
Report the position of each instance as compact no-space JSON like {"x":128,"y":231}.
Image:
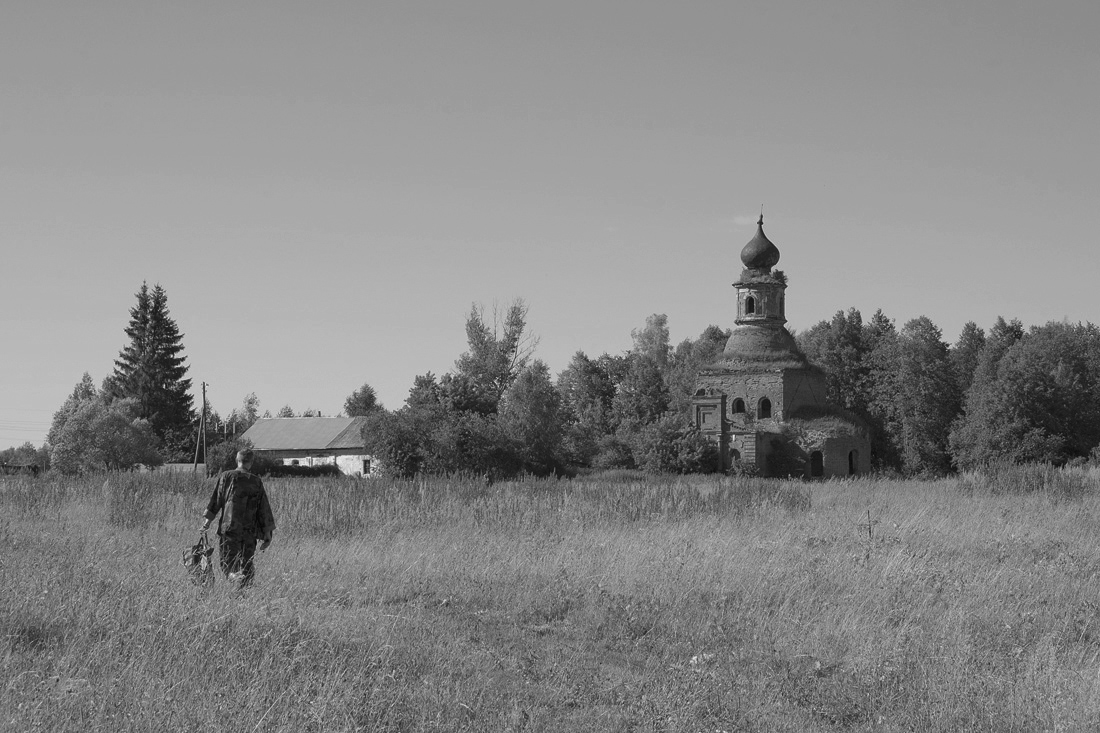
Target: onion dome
{"x":760,"y":253}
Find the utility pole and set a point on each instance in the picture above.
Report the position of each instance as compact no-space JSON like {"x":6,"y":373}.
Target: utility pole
{"x":201,"y":439}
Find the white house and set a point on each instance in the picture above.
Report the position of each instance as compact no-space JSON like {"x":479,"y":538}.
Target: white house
{"x":312,"y":441}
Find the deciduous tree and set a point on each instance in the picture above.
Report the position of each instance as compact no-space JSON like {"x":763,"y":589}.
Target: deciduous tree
{"x":531,"y":414}
{"x":860,"y":360}
{"x":1035,"y":398}
{"x":879,"y":386}
{"x":653,"y":340}
{"x":27,"y":455}
{"x":672,"y":444}
{"x":587,"y":388}
{"x":497,"y":352}
{"x":105,"y":437}
{"x":400,"y":440}
{"x":245,"y":416}
{"x":686,"y":361}
{"x":361,"y":402}
{"x":84,"y":391}
{"x":838,"y":347}
{"x":927,"y":399}
{"x":642,"y":396}
{"x":965,"y":355}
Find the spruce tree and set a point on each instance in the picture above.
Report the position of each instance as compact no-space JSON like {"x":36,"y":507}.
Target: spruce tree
{"x":151,"y":370}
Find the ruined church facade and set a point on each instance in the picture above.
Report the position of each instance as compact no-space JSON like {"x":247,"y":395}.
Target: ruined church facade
{"x":762,"y":400}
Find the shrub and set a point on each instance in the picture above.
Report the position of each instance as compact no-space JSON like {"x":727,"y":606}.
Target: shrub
{"x":673,"y":444}
{"x":223,"y":456}
{"x":269,"y":467}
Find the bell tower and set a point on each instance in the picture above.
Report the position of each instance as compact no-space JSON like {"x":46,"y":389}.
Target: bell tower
{"x":760,"y":294}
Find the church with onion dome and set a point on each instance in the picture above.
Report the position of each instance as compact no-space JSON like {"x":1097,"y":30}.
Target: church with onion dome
{"x":762,"y":400}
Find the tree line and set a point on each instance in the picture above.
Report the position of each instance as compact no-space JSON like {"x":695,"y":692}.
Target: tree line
{"x":1012,"y":394}
{"x":499,"y":412}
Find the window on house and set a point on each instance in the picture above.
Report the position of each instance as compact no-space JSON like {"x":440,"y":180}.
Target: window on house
{"x":750,"y":305}
{"x":738,"y":405}
{"x":366,"y":467}
{"x":765,"y":408}
{"x":853,"y":462}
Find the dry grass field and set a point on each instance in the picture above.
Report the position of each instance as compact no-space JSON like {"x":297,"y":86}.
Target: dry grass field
{"x":613,"y":604}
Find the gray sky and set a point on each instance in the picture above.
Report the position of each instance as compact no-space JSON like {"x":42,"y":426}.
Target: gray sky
{"x":323,"y":189}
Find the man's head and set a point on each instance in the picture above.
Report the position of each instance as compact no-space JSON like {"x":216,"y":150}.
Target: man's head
{"x":244,"y":458}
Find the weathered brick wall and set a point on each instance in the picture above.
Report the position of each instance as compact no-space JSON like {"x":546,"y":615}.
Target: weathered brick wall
{"x":836,"y":454}
{"x":788,"y":390}
{"x":768,"y":303}
{"x":803,"y":388}
{"x":747,"y":446}
{"x":750,"y":387}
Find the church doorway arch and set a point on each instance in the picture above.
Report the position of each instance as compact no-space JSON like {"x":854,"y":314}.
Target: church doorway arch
{"x":764,"y":408}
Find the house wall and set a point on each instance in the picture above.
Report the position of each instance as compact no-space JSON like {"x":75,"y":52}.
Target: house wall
{"x":357,"y":465}
{"x":350,"y":464}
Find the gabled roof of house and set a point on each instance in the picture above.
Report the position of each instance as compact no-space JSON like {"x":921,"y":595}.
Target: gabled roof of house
{"x":305,"y":433}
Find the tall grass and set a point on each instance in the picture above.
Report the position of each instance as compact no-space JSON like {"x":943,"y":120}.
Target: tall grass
{"x":648,"y":604}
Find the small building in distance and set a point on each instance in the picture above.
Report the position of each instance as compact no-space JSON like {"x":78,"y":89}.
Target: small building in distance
{"x":762,"y":400}
{"x":15,"y":469}
{"x":312,"y":441}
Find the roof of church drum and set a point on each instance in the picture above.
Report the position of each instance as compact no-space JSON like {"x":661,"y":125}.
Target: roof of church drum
{"x":752,"y":347}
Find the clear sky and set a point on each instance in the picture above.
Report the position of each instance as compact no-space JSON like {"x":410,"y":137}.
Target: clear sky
{"x":324,"y":188}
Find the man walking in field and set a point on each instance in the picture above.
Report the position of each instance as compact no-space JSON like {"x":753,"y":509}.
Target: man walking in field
{"x":246,"y":517}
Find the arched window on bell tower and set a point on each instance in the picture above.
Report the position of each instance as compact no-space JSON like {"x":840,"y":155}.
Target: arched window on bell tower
{"x":750,"y":305}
